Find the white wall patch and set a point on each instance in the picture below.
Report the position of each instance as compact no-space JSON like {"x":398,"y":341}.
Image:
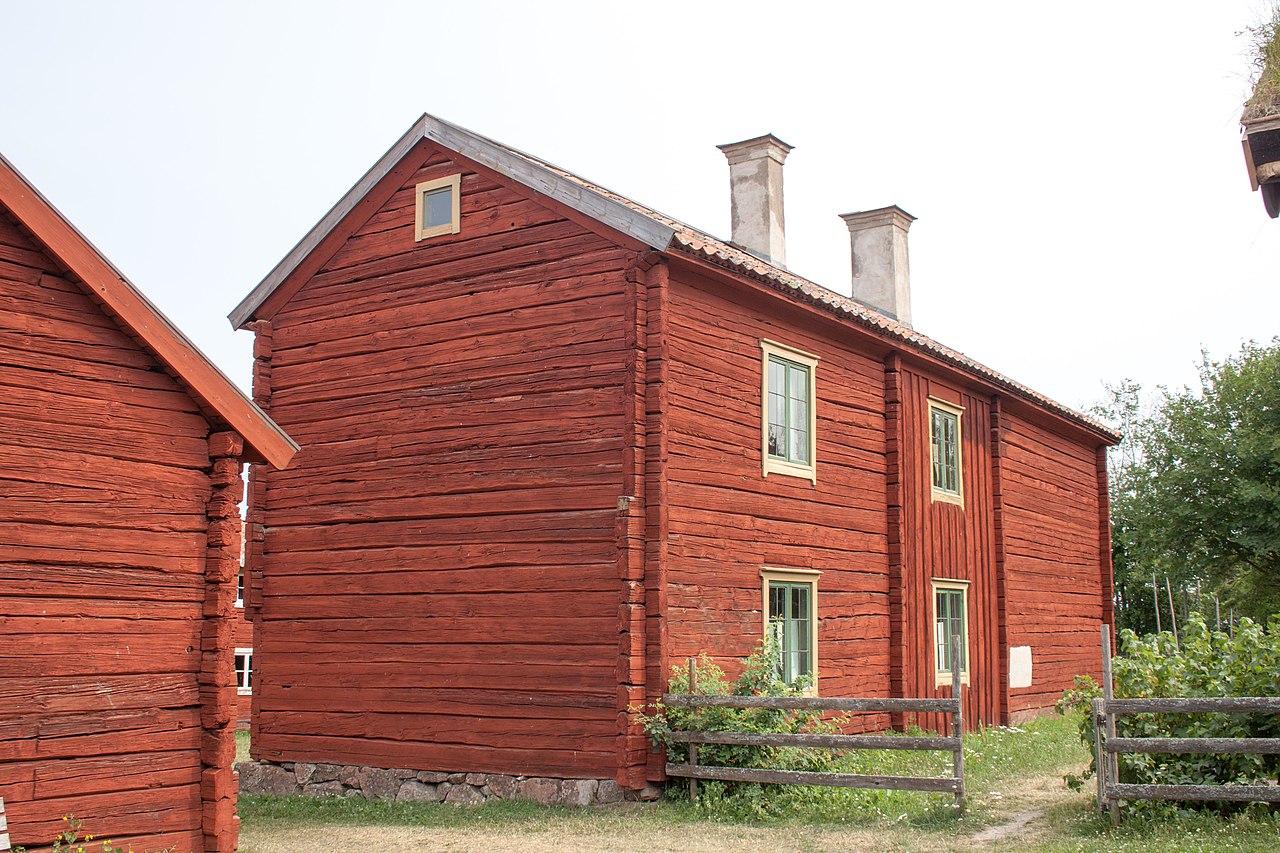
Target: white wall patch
{"x":1020,"y":666}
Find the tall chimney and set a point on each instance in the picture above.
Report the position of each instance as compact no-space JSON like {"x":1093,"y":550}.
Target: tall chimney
{"x":755,"y":184}
{"x":881,"y":275}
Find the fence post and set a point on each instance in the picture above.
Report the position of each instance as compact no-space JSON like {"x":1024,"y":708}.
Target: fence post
{"x":1112,"y":763}
{"x":957,"y":722}
{"x":693,"y":747}
{"x":4,"y":827}
{"x":1099,"y":756}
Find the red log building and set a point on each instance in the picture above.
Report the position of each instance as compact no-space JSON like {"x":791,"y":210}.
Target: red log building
{"x":121,"y":450}
{"x":555,"y":442}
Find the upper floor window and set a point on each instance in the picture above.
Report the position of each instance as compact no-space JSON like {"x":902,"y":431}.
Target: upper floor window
{"x":789,"y":417}
{"x":436,"y":207}
{"x":944,"y":441}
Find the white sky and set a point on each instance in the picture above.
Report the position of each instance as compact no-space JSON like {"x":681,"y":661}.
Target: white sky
{"x":1084,"y":210}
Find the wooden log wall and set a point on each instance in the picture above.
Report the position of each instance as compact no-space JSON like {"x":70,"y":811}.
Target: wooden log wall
{"x":1058,"y":585}
{"x":105,"y":576}
{"x":942,"y":540}
{"x":437,"y":576}
{"x":727,"y":521}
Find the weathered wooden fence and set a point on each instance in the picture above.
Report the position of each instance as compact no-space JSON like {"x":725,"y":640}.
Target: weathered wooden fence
{"x":1108,"y":747}
{"x":693,"y":771}
{"x":4,"y":828}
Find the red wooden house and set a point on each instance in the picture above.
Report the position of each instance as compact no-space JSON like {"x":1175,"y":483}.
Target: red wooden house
{"x":121,"y":450}
{"x":555,"y":441}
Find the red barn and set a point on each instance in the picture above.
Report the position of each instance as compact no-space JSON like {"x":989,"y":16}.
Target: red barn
{"x":555,"y":442}
{"x":120,"y":471}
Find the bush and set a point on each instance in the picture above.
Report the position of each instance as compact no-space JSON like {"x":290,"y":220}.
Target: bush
{"x":1209,"y":663}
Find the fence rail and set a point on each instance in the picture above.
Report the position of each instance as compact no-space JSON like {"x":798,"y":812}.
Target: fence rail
{"x":693,"y":771}
{"x":1108,"y":747}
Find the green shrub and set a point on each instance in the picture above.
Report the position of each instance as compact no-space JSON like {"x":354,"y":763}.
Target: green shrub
{"x":1209,"y":663}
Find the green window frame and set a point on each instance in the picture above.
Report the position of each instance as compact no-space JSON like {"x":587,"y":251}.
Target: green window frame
{"x":950,"y":620}
{"x":945,"y":450}
{"x":788,"y":419}
{"x":791,"y":625}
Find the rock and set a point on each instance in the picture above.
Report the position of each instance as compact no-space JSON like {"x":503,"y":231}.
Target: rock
{"x":404,"y":773}
{"x":304,"y":772}
{"x":457,"y":778}
{"x":326,"y":773}
{"x":578,"y":792}
{"x":332,"y":788}
{"x":502,"y":787}
{"x":444,"y":788}
{"x":479,"y":780}
{"x":649,"y":793}
{"x":349,"y":775}
{"x":250,"y":773}
{"x":379,"y":784}
{"x":414,"y":791}
{"x":432,"y":777}
{"x":277,"y":781}
{"x":464,"y":795}
{"x":608,"y":791}
{"x":542,"y":791}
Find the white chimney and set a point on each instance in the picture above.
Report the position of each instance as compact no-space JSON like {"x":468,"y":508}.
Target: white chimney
{"x":755,"y":184}
{"x":881,"y":275}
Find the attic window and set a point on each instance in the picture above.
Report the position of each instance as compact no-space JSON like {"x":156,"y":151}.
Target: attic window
{"x":436,"y":207}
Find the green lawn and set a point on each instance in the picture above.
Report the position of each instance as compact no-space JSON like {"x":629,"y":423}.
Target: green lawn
{"x":1009,"y":772}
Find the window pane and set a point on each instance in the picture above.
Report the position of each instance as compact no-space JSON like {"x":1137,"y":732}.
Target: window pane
{"x":777,"y":377}
{"x":800,"y":445}
{"x":799,"y":389}
{"x":437,"y":207}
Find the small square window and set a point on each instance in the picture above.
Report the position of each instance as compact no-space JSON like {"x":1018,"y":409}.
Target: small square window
{"x":436,"y":207}
{"x":789,"y":419}
{"x":945,"y":452}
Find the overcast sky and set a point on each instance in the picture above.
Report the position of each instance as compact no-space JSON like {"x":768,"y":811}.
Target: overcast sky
{"x":1084,"y":210}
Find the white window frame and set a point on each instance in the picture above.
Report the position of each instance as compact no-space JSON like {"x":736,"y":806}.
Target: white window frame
{"x":941,"y":677}
{"x":772,"y":465}
{"x":245,"y":688}
{"x":805,"y":576}
{"x":240,"y":587}
{"x":939,"y":494}
{"x":420,"y":191}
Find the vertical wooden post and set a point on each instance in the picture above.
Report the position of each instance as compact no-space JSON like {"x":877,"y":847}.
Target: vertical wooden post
{"x":1112,"y":764}
{"x":4,"y":825}
{"x":693,"y":747}
{"x":1099,"y":756}
{"x":957,"y":722}
{"x":1217,"y":613}
{"x":1155,"y":599}
{"x":1173,"y":614}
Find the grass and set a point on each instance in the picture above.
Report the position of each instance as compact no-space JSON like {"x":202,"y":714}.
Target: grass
{"x":1007,"y":770}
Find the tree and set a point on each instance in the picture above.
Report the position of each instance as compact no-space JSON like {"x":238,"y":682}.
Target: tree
{"x":1196,"y":495}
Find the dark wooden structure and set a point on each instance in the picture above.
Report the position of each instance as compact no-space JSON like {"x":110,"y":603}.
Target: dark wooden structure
{"x":531,"y":480}
{"x":121,"y":450}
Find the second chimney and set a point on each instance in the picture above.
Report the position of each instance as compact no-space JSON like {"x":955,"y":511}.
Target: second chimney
{"x":755,"y":184}
{"x":881,"y":274}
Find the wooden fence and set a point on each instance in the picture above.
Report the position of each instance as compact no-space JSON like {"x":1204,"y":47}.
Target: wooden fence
{"x":1108,"y":747}
{"x":693,"y":771}
{"x":4,"y":828}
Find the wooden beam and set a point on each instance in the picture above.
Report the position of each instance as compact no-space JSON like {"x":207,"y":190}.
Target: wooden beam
{"x":1196,"y":745}
{"x":804,"y":777}
{"x":814,"y":740}
{"x":806,"y":703}
{"x":1197,"y":793}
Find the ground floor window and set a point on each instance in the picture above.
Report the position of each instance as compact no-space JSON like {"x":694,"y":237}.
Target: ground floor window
{"x":244,"y":671}
{"x":790,"y":610}
{"x":950,"y":621}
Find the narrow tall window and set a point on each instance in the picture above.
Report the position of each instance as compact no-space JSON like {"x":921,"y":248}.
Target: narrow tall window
{"x":950,"y":624}
{"x":240,"y":587}
{"x":244,"y":671}
{"x":789,"y":417}
{"x":436,"y":207}
{"x":790,"y":601}
{"x":944,"y":440}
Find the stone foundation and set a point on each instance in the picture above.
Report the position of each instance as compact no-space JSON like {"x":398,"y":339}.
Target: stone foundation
{"x":425,"y":786}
